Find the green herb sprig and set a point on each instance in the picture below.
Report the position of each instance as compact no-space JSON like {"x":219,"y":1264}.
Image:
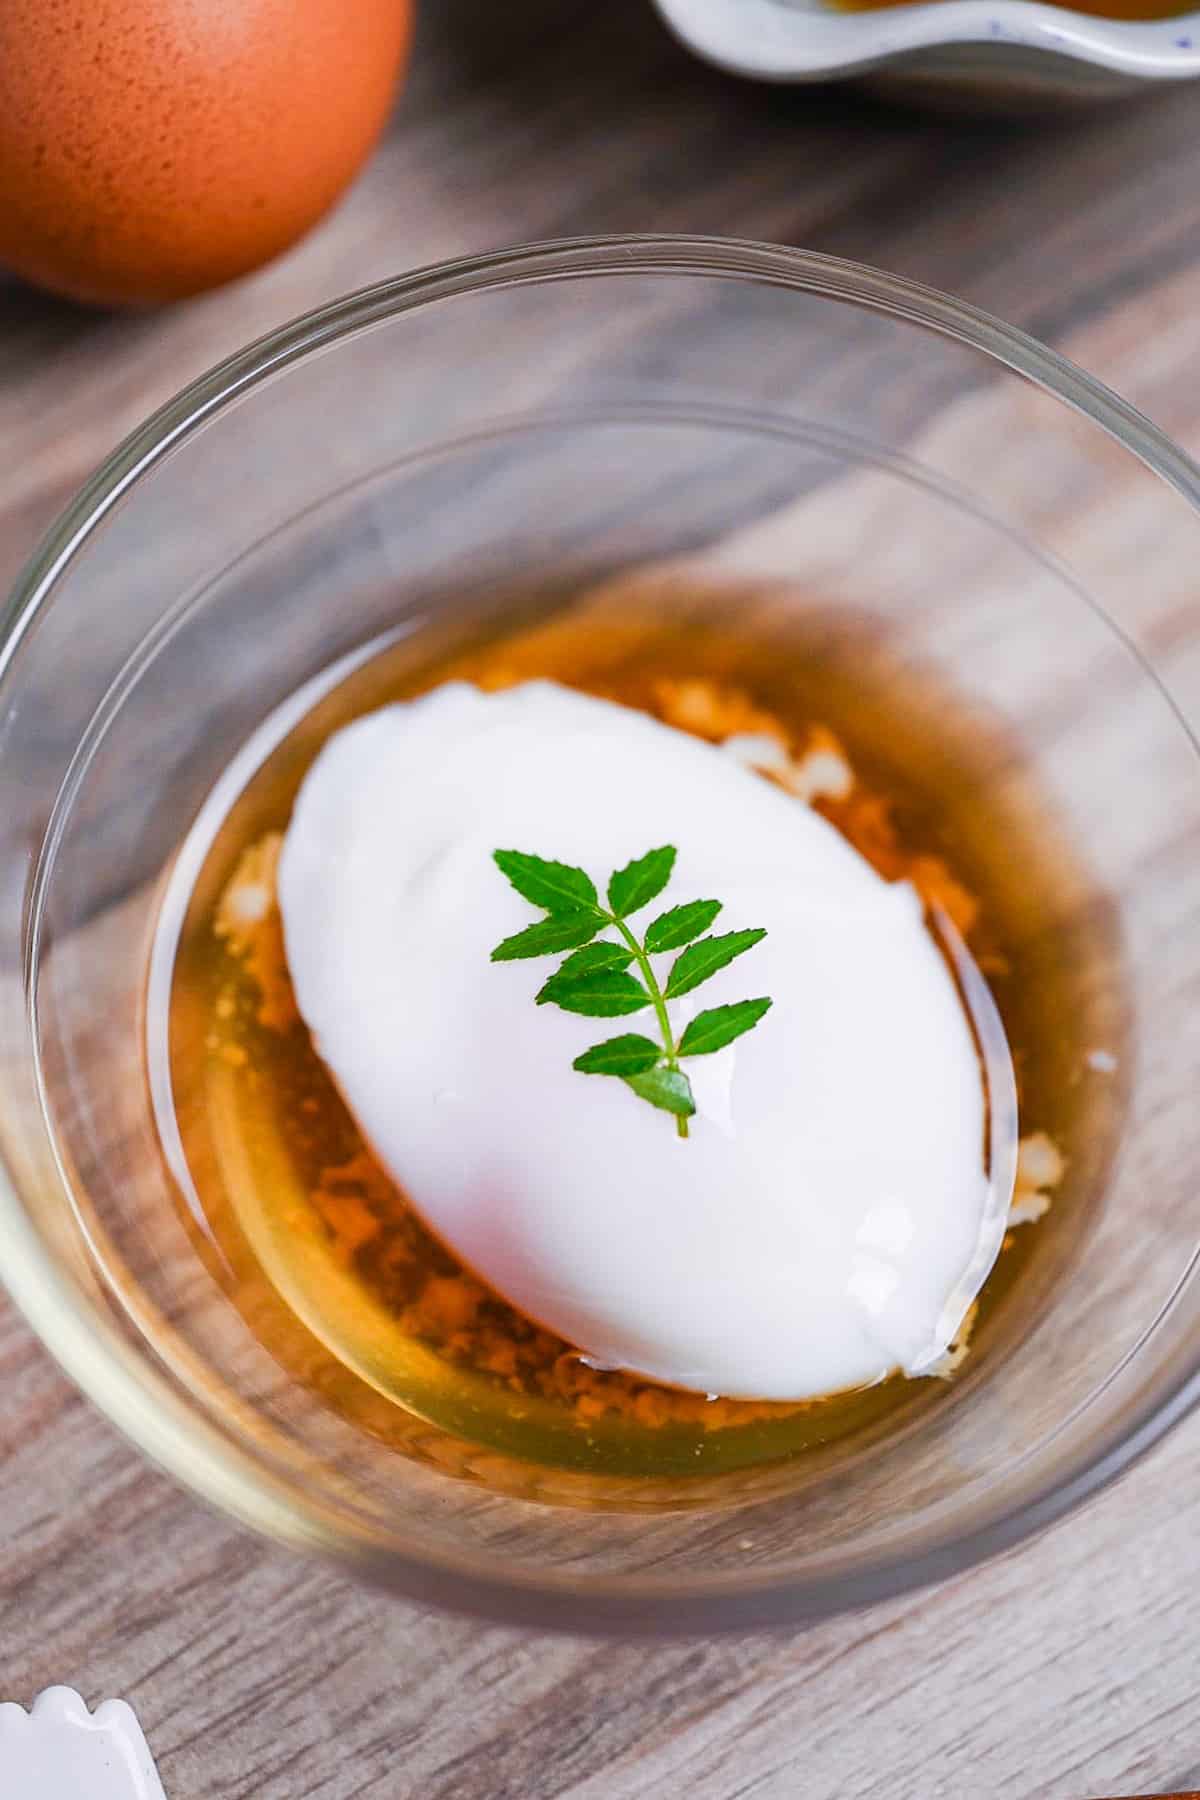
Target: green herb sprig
{"x":598,"y":978}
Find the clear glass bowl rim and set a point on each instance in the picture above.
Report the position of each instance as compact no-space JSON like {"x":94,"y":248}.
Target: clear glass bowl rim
{"x":141,"y":1400}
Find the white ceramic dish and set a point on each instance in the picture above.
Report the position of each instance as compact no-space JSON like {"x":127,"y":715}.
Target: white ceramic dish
{"x":61,"y":1751}
{"x":1007,"y":50}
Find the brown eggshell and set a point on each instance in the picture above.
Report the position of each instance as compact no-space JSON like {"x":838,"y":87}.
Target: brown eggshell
{"x":153,"y":148}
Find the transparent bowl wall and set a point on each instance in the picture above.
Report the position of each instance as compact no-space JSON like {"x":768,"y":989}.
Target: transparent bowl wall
{"x":736,"y":416}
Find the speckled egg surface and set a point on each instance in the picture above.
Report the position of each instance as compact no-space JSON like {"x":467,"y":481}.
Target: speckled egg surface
{"x":153,"y":148}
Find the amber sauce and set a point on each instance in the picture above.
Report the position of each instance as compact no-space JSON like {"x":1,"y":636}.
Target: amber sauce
{"x":1099,"y":9}
{"x":331,"y":1264}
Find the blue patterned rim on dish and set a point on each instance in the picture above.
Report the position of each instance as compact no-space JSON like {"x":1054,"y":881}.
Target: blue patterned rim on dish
{"x":1010,"y":47}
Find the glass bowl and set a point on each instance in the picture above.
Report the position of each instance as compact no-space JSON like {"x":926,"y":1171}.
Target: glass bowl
{"x":659,"y":415}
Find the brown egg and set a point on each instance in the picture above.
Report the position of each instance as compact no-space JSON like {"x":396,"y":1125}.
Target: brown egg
{"x":152,"y":148}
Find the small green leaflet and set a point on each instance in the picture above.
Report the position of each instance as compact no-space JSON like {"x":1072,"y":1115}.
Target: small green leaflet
{"x":597,"y":956}
{"x":701,"y":960}
{"x":680,"y":925}
{"x":598,"y":993}
{"x":668,"y":1088}
{"x":628,"y":1055}
{"x":559,"y":932}
{"x":713,"y":1029}
{"x":615,"y":975}
{"x":640,"y":882}
{"x":554,"y":886}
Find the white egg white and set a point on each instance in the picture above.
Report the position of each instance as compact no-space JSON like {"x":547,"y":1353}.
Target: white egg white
{"x":813,"y":1232}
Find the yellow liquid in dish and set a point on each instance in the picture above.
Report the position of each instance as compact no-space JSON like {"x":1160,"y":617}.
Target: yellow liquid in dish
{"x":1098,"y":9}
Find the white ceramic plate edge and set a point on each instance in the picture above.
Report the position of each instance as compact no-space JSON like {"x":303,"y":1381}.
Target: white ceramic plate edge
{"x":782,"y":42}
{"x":58,"y":1750}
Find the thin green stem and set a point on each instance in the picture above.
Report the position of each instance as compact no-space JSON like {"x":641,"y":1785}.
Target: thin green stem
{"x":660,"y":1006}
{"x":651,"y":981}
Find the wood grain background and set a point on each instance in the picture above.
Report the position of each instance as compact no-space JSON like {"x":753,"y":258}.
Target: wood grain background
{"x":1064,"y":1671}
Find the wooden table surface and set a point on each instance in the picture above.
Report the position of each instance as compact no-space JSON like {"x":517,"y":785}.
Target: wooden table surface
{"x":1066,"y":1670}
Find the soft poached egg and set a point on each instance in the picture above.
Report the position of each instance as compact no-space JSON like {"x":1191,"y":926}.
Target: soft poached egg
{"x":828,"y":1220}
